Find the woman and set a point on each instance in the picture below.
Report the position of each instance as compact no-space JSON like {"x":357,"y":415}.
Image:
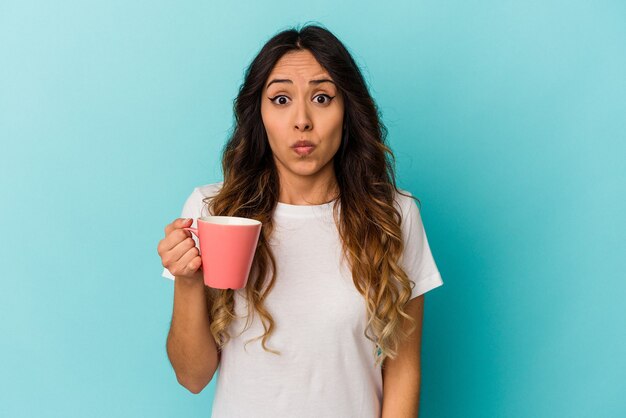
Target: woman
{"x":336,"y":289}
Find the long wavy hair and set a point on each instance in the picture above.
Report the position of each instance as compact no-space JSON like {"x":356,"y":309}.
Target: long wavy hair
{"x":369,"y":224}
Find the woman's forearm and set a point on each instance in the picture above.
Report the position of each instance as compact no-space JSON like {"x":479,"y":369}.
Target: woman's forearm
{"x":191,"y":348}
{"x":401,"y":397}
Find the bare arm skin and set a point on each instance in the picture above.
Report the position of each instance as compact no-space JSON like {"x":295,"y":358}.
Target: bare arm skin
{"x":191,"y":348}
{"x":402,"y":376}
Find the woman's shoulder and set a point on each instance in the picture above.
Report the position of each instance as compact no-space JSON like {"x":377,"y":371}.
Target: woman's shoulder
{"x":403,"y":198}
{"x":408,"y":206}
{"x":196,"y":205}
{"x":209,"y":189}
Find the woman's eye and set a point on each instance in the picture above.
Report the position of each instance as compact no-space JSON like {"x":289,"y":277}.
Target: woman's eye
{"x":282,"y":99}
{"x":325,"y":101}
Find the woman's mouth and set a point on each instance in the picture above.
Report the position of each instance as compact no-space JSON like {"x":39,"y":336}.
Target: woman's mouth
{"x":302,"y":151}
{"x":303,"y":147}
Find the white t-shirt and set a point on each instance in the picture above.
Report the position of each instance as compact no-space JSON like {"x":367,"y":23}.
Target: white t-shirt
{"x":326,"y":367}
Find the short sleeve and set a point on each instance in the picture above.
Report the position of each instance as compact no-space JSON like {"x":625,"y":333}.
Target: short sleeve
{"x":417,"y":259}
{"x":191,"y":209}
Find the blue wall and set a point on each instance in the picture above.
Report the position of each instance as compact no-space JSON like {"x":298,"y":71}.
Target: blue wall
{"x":507,"y":120}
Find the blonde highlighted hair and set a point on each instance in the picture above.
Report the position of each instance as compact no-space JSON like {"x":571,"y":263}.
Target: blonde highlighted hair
{"x":369,"y":222}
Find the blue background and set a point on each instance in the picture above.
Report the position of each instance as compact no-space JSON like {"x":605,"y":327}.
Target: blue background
{"x":507,"y":121}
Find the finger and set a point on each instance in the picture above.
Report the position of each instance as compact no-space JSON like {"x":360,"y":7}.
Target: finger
{"x":189,"y":263}
{"x":173,"y":246}
{"x":170,"y":242}
{"x":173,"y":238}
{"x":178,"y":223}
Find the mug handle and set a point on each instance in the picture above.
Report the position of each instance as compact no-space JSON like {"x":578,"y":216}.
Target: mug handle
{"x":194,"y":230}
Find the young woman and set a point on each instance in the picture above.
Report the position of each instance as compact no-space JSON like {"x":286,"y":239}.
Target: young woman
{"x":336,"y":290}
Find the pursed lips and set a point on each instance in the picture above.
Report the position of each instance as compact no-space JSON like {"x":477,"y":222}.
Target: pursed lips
{"x":301,"y":144}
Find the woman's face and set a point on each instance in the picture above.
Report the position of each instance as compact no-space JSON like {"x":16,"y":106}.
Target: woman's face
{"x":296,"y":105}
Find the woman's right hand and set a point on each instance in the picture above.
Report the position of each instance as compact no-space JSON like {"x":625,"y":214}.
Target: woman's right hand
{"x":178,"y":250}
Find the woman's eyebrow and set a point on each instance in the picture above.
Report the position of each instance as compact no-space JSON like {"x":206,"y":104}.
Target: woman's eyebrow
{"x":286,"y":80}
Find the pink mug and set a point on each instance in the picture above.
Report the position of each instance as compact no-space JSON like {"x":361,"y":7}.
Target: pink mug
{"x":227,"y":248}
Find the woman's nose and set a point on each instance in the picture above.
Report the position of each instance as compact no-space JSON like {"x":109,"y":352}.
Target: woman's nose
{"x":303,"y":126}
{"x":303,"y":121}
